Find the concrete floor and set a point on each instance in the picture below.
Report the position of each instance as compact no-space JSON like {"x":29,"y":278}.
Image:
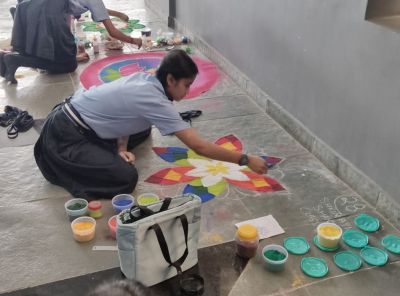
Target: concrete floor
{"x":37,"y":246}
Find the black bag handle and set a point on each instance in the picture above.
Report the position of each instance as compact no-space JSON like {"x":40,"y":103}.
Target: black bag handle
{"x":145,"y":211}
{"x":164,"y":247}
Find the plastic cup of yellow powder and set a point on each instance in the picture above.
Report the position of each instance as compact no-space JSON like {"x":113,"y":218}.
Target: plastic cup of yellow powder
{"x":146,"y":199}
{"x":83,"y":228}
{"x":329,"y":234}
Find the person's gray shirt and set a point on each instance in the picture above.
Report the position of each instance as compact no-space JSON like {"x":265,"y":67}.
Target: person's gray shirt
{"x":96,"y":7}
{"x":128,"y":106}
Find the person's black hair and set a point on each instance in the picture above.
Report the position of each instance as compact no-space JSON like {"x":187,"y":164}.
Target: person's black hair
{"x":120,"y":288}
{"x":177,"y":63}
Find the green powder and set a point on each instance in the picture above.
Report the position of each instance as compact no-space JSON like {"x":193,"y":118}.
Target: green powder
{"x":76,"y":206}
{"x":274,"y":255}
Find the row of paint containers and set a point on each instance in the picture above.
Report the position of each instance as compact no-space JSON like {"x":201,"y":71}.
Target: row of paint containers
{"x":83,"y":214}
{"x":275,"y":256}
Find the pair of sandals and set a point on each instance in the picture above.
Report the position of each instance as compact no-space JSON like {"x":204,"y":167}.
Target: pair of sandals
{"x":188,"y":115}
{"x":16,"y":120}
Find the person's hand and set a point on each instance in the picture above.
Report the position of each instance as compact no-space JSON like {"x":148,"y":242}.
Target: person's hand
{"x":137,"y":41}
{"x":123,"y":16}
{"x":127,"y":156}
{"x":257,"y":164}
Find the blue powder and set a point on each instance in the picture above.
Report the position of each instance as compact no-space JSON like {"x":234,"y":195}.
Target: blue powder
{"x":122,"y":202}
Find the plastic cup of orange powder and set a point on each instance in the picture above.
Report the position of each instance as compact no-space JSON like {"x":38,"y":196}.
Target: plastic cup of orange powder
{"x":329,"y":234}
{"x":83,"y":228}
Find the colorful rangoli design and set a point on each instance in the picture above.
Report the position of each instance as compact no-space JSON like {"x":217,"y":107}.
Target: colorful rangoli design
{"x":209,"y":178}
{"x":114,"y":67}
{"x":125,"y":27}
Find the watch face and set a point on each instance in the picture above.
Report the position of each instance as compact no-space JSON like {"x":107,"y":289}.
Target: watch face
{"x":244,"y":160}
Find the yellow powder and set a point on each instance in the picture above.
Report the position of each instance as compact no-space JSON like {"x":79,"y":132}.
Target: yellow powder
{"x":82,"y":226}
{"x":329,"y":230}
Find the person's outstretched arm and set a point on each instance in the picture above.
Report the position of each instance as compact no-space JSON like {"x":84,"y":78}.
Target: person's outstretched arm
{"x":192,"y":139}
{"x":117,"y":34}
{"x":118,"y":14}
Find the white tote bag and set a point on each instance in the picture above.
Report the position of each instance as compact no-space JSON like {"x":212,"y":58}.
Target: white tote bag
{"x":157,"y":242}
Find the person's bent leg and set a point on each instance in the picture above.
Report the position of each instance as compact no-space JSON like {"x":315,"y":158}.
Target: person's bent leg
{"x":138,"y":138}
{"x":2,"y":65}
{"x":62,"y":67}
{"x":13,"y":61}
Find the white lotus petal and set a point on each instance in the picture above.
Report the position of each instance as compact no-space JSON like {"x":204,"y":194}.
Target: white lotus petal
{"x":198,"y":162}
{"x":211,"y":180}
{"x":198,"y":172}
{"x":237,"y":176}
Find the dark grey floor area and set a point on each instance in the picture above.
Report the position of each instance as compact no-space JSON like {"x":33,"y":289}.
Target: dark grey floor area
{"x":218,"y":266}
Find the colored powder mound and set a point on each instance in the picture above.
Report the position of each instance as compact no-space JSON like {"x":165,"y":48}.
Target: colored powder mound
{"x":76,"y":206}
{"x":330,"y":231}
{"x":122,"y":202}
{"x":274,"y":255}
{"x":147,"y":200}
{"x":82,"y":226}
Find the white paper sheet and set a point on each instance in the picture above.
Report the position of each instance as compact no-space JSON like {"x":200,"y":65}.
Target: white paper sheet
{"x":267,"y":226}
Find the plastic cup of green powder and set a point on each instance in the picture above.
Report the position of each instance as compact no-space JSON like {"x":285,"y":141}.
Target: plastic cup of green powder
{"x":76,"y":207}
{"x":275,"y":257}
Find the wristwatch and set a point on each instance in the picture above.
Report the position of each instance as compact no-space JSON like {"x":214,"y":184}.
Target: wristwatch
{"x":243,"y":160}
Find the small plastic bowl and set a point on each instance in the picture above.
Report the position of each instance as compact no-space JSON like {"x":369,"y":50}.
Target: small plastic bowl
{"x":146,"y":199}
{"x":112,"y":226}
{"x":329,"y":240}
{"x":83,"y":229}
{"x":121,"y":202}
{"x":76,"y":207}
{"x":274,"y":265}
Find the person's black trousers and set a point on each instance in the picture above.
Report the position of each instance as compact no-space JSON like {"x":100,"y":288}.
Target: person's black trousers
{"x":84,"y":164}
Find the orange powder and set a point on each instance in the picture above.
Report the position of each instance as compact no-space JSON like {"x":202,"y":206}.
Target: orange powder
{"x":82,"y":226}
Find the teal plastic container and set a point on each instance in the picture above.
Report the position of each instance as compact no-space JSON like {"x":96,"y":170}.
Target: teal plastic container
{"x":278,"y":263}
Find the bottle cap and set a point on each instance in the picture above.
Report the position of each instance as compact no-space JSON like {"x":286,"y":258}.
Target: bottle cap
{"x":392,"y":243}
{"x":355,"y":239}
{"x":94,"y":205}
{"x":321,"y":247}
{"x":374,"y":256}
{"x":247,"y":232}
{"x":347,"y":261}
{"x":367,"y":223}
{"x":314,"y":267}
{"x":296,"y":245}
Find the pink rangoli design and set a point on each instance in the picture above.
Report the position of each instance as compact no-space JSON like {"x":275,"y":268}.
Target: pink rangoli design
{"x":209,"y":178}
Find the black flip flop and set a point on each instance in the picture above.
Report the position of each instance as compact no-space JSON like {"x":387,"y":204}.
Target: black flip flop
{"x":22,"y":123}
{"x":188,"y":115}
{"x":9,"y":115}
